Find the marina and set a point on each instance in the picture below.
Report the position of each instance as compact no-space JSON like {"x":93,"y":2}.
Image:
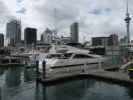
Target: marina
{"x":66,"y":50}
{"x":41,"y":76}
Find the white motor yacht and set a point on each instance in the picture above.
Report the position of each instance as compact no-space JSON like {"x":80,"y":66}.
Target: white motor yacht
{"x":72,"y":60}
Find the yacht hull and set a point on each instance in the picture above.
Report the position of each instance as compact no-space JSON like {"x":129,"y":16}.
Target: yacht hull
{"x":66,"y":65}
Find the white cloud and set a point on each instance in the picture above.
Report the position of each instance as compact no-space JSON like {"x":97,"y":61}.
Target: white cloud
{"x":5,"y":15}
{"x":96,"y":17}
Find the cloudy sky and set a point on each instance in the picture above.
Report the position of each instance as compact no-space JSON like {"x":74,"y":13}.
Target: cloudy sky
{"x":95,"y":17}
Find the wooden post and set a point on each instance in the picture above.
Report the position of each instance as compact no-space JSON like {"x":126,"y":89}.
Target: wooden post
{"x":0,"y":94}
{"x":44,"y":69}
{"x":100,"y":64}
{"x":37,"y":69}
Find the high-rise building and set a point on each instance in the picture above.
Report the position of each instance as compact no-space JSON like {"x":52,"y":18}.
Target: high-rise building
{"x":100,"y":41}
{"x":75,"y":32}
{"x":65,"y":40}
{"x":47,"y":36}
{"x":41,"y":38}
{"x":106,"y":46}
{"x":13,"y":32}
{"x":113,"y":40}
{"x":1,"y":40}
{"x":30,"y":36}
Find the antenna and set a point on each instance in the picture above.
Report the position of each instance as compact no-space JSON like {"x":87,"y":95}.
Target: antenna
{"x":55,"y":22}
{"x":55,"y":32}
{"x":127,"y":8}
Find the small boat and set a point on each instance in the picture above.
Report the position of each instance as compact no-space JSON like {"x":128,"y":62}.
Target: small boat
{"x":7,"y":61}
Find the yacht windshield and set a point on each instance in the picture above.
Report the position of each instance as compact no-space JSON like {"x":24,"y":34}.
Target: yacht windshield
{"x":53,"y":56}
{"x":59,"y":56}
{"x":66,"y":56}
{"x":82,"y":56}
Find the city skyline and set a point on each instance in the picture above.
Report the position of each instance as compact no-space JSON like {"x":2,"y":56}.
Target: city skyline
{"x":95,"y":17}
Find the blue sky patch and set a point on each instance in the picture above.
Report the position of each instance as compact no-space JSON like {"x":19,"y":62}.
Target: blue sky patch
{"x":21,"y":11}
{"x":19,"y":1}
{"x":100,"y":11}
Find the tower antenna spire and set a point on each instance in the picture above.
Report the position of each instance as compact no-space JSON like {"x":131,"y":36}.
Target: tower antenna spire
{"x":127,"y":8}
{"x":127,"y":20}
{"x":55,"y":31}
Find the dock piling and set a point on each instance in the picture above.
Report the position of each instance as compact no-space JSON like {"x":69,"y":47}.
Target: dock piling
{"x":37,"y":69}
{"x":44,"y":69}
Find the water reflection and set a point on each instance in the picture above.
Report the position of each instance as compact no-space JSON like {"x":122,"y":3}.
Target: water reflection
{"x":29,"y":74}
{"x":2,"y":69}
{"x":87,"y":89}
{"x":84,"y":90}
{"x":67,"y":91}
{"x":0,"y":94}
{"x":129,"y":91}
{"x":78,"y":88}
{"x":40,"y":92}
{"x":13,"y":77}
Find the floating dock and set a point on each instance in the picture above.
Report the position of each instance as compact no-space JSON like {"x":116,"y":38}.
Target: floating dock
{"x":101,"y":74}
{"x":114,"y":77}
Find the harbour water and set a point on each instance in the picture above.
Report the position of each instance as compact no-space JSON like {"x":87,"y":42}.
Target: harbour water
{"x":18,"y":83}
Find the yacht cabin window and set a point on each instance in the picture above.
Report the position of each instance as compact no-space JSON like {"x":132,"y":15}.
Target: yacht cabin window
{"x":82,"y":56}
{"x":59,"y":56}
{"x":66,"y":56}
{"x":53,"y":56}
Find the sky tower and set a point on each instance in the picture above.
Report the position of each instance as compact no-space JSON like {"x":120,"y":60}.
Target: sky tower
{"x":127,"y":20}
